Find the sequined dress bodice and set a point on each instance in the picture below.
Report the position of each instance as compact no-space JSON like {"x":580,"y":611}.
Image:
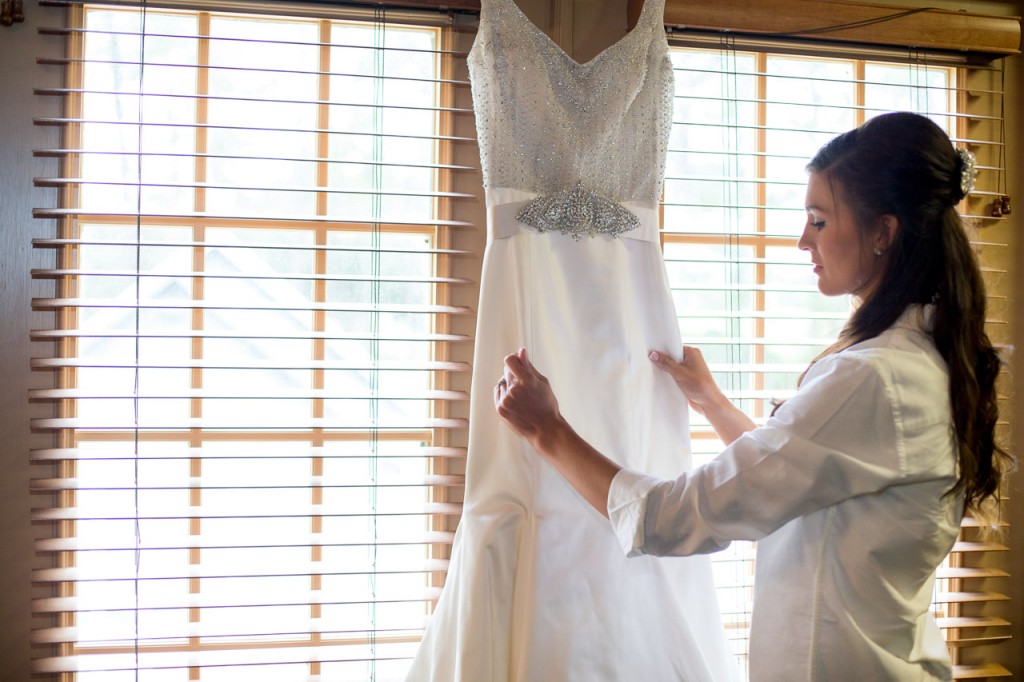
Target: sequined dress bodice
{"x":546,"y":123}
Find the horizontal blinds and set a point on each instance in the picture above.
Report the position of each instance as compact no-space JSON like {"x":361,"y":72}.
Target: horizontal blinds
{"x":248,"y":264}
{"x":745,"y":124}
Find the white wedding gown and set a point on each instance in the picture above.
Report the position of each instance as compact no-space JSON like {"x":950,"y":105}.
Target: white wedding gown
{"x":538,"y":588}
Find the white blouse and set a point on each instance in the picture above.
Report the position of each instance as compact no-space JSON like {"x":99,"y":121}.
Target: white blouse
{"x":843,"y":490}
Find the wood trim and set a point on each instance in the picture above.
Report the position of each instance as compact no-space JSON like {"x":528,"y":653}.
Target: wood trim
{"x":928,"y":28}
{"x":562,"y":23}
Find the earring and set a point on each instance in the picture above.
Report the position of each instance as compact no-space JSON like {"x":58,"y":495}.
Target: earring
{"x":878,"y":251}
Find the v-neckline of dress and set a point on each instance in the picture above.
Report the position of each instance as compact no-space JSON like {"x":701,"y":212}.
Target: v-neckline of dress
{"x":565,"y":55}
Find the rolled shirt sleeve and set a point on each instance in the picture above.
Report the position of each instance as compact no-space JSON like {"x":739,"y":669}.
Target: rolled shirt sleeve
{"x":627,"y":503}
{"x":837,"y":438}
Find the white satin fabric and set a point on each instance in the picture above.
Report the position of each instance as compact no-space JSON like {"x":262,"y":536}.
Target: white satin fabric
{"x":538,"y":588}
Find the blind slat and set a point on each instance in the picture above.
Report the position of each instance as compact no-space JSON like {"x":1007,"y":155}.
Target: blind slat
{"x":971,"y":522}
{"x":64,"y":575}
{"x":380,"y":192}
{"x":57,"y":243}
{"x":969,"y":597}
{"x":763,"y":315}
{"x":339,"y":424}
{"x":146,"y":94}
{"x":964,"y":546}
{"x":254,"y":654}
{"x":969,"y":573}
{"x":61,"y":153}
{"x":963,"y":642}
{"x":76,"y":31}
{"x":73,"y":514}
{"x":390,"y":223}
{"x":67,"y":483}
{"x":244,"y":69}
{"x":58,"y":334}
{"x":255,"y":394}
{"x":199,"y":542}
{"x":825,"y":134}
{"x":63,"y":122}
{"x":768,"y":341}
{"x":805,"y":79}
{"x":76,"y":635}
{"x":300,"y":451}
{"x":978,"y":672}
{"x":399,"y":308}
{"x":972,"y":622}
{"x":429,"y":366}
{"x":283,"y":277}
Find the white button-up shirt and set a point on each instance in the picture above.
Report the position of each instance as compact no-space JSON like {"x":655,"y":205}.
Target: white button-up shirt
{"x":843,"y":490}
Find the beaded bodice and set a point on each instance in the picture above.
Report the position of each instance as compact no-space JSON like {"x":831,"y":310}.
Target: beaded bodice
{"x":547,"y":124}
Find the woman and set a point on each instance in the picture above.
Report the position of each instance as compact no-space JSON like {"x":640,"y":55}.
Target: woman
{"x":855,"y":487}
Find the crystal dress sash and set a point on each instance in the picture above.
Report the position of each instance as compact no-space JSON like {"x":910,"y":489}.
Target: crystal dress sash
{"x":504,"y":205}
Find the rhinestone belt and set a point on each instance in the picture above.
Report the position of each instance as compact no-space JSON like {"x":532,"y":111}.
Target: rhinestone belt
{"x":576,"y":212}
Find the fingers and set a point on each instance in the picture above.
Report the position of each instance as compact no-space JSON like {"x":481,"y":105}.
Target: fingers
{"x":663,"y":361}
{"x":667,"y":362}
{"x":518,"y":366}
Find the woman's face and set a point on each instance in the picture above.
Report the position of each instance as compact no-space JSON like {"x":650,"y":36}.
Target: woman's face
{"x":842,"y":262}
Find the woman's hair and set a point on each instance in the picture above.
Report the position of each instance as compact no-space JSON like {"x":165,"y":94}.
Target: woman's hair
{"x":904,"y":165}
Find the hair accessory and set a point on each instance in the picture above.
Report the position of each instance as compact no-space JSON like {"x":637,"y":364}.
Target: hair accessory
{"x":968,"y":171}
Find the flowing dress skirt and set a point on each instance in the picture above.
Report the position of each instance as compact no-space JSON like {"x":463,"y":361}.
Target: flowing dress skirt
{"x":538,"y":587}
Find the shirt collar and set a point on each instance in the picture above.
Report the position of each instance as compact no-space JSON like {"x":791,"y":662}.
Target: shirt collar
{"x":917,"y":317}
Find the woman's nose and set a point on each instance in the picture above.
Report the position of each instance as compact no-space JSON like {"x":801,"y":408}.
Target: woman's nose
{"x":803,"y":243}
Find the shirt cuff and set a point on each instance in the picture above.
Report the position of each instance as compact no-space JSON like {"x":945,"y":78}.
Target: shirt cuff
{"x":627,"y":506}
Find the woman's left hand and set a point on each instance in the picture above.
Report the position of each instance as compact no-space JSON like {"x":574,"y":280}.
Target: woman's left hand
{"x":524,"y":399}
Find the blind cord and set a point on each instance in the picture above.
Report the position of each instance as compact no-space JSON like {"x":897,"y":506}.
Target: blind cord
{"x":1003,"y":180}
{"x":730,"y":87}
{"x":379,"y":36}
{"x":850,"y":24}
{"x":138,"y":309}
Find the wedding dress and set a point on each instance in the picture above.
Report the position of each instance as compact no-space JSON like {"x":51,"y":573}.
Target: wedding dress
{"x":573,"y":158}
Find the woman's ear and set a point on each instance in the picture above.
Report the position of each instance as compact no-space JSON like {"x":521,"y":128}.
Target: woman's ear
{"x":888,"y":224}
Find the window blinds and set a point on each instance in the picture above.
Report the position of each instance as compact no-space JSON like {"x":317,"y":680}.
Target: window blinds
{"x":252,"y":463}
{"x":249,"y":273}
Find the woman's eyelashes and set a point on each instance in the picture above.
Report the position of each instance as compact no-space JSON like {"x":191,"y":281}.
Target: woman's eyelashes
{"x":817,"y":224}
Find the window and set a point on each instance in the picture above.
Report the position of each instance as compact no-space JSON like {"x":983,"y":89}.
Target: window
{"x":745,"y":126}
{"x":249,"y":293}
{"x":254,"y":471}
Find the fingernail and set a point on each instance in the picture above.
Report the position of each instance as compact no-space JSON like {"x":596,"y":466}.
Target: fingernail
{"x":654,"y":355}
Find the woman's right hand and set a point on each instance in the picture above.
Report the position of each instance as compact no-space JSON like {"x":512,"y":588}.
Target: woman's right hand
{"x":692,"y":376}
{"x":524,"y":399}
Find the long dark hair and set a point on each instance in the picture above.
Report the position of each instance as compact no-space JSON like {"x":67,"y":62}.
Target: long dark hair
{"x":904,"y":165}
